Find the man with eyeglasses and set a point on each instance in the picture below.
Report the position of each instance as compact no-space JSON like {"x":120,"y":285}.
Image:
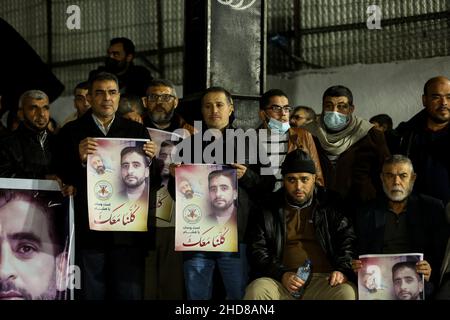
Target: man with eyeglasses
{"x":403,"y":222}
{"x":351,"y":150}
{"x":164,"y":272}
{"x":112,"y":263}
{"x":281,"y":137}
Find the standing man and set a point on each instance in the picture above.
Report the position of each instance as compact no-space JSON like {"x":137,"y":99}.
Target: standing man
{"x":28,"y":152}
{"x":119,"y":61}
{"x":282,"y":138}
{"x":424,"y":138}
{"x":301,"y":115}
{"x":403,"y":222}
{"x":164,"y":272}
{"x":351,"y":151}
{"x":112,"y":263}
{"x":300,"y":222}
{"x":80,"y":101}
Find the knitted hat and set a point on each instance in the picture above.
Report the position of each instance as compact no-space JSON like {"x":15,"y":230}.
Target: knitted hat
{"x":298,"y":161}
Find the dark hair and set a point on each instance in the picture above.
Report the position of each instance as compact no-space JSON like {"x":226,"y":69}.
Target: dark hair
{"x":102,"y":76}
{"x":311,"y":114}
{"x":138,"y":150}
{"x":229,"y":173}
{"x":382,"y":119}
{"x":338,"y":91}
{"x":51,"y":209}
{"x":81,"y":85}
{"x":405,"y":264}
{"x":219,"y":89}
{"x":128,"y":45}
{"x":163,"y":83}
{"x":130,"y":103}
{"x":265,"y":98}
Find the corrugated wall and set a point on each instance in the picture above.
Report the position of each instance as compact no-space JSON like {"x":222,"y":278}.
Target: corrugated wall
{"x":311,"y":33}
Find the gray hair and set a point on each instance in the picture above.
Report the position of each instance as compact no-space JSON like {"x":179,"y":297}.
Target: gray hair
{"x":398,"y":158}
{"x":33,"y":94}
{"x":163,"y":83}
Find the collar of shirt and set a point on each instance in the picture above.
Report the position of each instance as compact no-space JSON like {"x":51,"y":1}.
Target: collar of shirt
{"x":100,"y":124}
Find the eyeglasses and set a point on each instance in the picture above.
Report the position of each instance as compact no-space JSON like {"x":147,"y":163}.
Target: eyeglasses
{"x":278,"y":109}
{"x":163,"y":97}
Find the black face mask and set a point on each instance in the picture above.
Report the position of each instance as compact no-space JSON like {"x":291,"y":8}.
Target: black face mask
{"x":113,"y":65}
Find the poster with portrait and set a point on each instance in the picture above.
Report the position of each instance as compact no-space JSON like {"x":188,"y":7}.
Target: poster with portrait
{"x":36,"y":241}
{"x":165,"y":142}
{"x":390,"y":277}
{"x":206,"y":208}
{"x":118,"y":183}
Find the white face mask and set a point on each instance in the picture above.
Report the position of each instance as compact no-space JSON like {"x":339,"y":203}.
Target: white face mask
{"x":335,"y":121}
{"x":278,"y":126}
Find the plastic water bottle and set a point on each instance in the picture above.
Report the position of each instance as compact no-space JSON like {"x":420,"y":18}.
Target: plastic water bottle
{"x":304,"y":273}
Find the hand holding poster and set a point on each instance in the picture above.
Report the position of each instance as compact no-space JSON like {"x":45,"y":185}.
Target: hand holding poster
{"x":35,"y":247}
{"x":206,"y":208}
{"x":118,"y":178}
{"x":390,"y":277}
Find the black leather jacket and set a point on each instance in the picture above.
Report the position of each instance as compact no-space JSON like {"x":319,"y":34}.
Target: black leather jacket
{"x":333,"y":231}
{"x":23,"y":155}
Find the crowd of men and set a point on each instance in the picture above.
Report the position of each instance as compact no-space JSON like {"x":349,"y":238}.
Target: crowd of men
{"x":341,"y":186}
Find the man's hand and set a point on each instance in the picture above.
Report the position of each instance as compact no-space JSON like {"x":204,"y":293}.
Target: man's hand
{"x":336,"y":278}
{"x":356,"y":265}
{"x":424,"y":268}
{"x":150,"y":149}
{"x":87,"y":146}
{"x":291,"y":282}
{"x":240,"y":168}
{"x":172,"y":167}
{"x":66,"y":190}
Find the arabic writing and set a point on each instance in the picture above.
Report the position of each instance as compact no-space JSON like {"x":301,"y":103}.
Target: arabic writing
{"x":205,"y":238}
{"x":104,"y":214}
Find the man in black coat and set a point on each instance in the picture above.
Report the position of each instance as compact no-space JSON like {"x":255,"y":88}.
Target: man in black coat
{"x":302,"y":222}
{"x":112,"y":263}
{"x":403,"y":222}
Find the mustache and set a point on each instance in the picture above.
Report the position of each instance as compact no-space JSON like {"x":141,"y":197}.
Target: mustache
{"x":8,"y":286}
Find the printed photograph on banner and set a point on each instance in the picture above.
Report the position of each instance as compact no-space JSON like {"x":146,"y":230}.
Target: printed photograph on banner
{"x":206,"y":208}
{"x":118,"y":183}
{"x":390,"y":277}
{"x":36,"y":241}
{"x":165,"y":142}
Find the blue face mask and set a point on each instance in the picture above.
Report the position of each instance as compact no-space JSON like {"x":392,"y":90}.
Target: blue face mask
{"x":335,"y":121}
{"x":277,"y":126}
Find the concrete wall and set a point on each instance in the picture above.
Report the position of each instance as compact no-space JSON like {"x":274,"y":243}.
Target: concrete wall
{"x":392,"y":88}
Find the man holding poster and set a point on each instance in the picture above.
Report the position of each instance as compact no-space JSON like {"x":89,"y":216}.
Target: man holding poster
{"x":112,"y":263}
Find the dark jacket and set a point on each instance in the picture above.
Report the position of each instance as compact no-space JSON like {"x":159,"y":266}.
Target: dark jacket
{"x":333,"y":231}
{"x":356,"y":174}
{"x":23,"y":156}
{"x":72,"y":172}
{"x":177,"y":122}
{"x":426,"y":149}
{"x":427,"y":228}
{"x":252,"y":187}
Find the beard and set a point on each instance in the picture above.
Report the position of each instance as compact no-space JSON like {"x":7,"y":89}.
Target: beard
{"x":49,"y":294}
{"x":397,"y":197}
{"x":220,"y":207}
{"x":161,"y":117}
{"x":134,"y":183}
{"x":100,"y":170}
{"x":189,"y":194}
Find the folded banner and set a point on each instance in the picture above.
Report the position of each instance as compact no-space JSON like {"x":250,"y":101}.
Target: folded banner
{"x":36,"y":241}
{"x":206,"y":208}
{"x":118,"y":183}
{"x":390,"y":277}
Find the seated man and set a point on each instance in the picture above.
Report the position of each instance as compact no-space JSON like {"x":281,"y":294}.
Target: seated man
{"x":307,"y":221}
{"x":403,"y":222}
